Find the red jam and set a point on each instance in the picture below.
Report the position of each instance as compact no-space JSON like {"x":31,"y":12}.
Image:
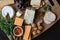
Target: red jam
{"x":18,"y":31}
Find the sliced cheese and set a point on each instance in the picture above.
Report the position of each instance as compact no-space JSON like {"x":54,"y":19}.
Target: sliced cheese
{"x":29,"y":16}
{"x":27,"y":32}
{"x":18,"y":21}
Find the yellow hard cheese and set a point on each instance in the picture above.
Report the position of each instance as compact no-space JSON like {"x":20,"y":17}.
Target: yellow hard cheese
{"x":27,"y":32}
{"x":18,"y":21}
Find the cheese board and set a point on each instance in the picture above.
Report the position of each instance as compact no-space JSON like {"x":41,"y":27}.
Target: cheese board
{"x":34,"y":19}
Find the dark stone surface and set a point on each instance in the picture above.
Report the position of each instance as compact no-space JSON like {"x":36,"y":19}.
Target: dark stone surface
{"x":3,"y":35}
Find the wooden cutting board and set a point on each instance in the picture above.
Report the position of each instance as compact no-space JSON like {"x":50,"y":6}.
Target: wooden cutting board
{"x":5,"y":2}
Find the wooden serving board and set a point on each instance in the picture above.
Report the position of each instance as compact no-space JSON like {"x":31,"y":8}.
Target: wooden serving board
{"x":55,"y":9}
{"x":5,"y":2}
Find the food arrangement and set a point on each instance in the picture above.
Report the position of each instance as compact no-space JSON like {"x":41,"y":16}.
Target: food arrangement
{"x":26,"y":19}
{"x":18,"y":31}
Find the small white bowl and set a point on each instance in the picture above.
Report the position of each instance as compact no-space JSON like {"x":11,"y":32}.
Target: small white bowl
{"x":20,"y":33}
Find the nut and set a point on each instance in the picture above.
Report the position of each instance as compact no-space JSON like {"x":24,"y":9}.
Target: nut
{"x":40,"y":27}
{"x":38,"y":31}
{"x":33,"y":25}
{"x":35,"y":28}
{"x":34,"y":33}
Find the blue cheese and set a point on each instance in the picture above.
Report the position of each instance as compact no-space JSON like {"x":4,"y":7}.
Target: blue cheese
{"x":29,"y":15}
{"x":35,"y":3}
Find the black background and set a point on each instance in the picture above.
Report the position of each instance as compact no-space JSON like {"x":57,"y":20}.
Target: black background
{"x":51,"y":34}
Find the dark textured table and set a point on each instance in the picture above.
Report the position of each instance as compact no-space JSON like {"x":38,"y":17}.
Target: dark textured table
{"x":52,"y":34}
{"x":3,"y":35}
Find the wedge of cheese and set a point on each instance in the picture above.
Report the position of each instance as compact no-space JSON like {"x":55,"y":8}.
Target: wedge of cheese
{"x":27,"y":32}
{"x":18,"y":21}
{"x":35,"y":3}
{"x":29,"y":15}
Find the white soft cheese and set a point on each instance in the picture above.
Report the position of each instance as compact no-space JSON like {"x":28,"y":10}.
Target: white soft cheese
{"x":49,"y":17}
{"x":19,"y":13}
{"x":29,"y":16}
{"x":8,"y":10}
{"x":35,"y":3}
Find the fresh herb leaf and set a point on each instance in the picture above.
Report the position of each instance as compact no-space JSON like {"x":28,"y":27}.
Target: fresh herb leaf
{"x":47,"y":7}
{"x":6,"y":24}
